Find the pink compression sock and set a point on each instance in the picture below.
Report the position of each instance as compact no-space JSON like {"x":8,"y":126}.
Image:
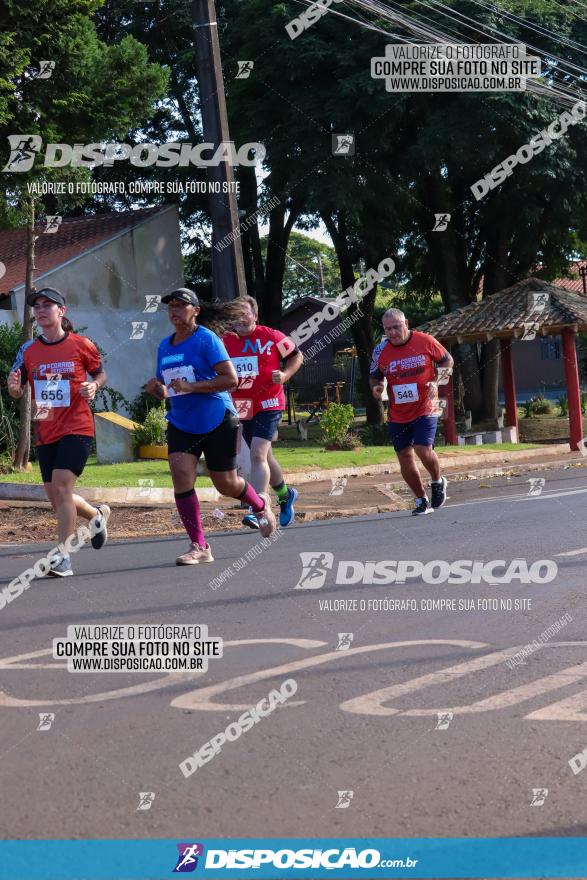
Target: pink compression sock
{"x":250,"y":497}
{"x":188,"y":507}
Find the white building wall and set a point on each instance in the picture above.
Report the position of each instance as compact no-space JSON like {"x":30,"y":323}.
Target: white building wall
{"x":106,"y":290}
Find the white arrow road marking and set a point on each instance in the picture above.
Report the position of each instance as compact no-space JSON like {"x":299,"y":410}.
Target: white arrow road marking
{"x":565,"y":710}
{"x":512,"y":498}
{"x":200,"y":699}
{"x":171,"y":678}
{"x":372,"y":704}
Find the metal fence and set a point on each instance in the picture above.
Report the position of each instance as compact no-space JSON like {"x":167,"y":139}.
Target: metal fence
{"x":308,"y":383}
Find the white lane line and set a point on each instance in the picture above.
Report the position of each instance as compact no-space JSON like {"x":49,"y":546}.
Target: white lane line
{"x":511,"y":498}
{"x":573,"y":552}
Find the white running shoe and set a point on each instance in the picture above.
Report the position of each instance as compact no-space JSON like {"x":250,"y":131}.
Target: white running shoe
{"x":266,"y":517}
{"x":195,"y":555}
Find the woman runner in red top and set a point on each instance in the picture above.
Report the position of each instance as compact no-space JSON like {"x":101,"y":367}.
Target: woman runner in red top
{"x":56,"y":365}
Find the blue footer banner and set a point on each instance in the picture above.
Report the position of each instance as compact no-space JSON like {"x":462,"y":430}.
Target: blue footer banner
{"x":297,"y":857}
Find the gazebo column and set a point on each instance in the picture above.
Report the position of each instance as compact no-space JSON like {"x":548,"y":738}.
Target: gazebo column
{"x":509,"y":385}
{"x":450,"y":427}
{"x":573,"y":390}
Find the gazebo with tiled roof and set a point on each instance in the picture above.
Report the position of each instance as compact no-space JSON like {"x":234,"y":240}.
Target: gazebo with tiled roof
{"x":529,"y":308}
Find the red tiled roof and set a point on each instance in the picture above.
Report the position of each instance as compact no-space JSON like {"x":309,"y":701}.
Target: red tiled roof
{"x":506,"y":314}
{"x":74,"y":236}
{"x":576,"y":282}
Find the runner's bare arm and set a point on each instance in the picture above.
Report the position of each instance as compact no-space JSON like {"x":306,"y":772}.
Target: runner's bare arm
{"x":15,"y":388}
{"x":376,"y":384}
{"x":292,"y":365}
{"x":225,"y":380}
{"x":88,"y":390}
{"x":156,"y":388}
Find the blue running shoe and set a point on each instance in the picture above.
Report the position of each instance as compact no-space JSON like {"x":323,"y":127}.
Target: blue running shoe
{"x":250,"y":520}
{"x":287,"y":513}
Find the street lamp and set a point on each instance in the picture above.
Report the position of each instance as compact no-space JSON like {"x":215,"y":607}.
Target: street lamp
{"x":583,"y":274}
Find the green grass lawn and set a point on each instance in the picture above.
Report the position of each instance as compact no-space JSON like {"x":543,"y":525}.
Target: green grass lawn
{"x":292,"y":458}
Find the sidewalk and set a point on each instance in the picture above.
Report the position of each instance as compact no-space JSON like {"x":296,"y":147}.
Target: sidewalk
{"x":373,"y":490}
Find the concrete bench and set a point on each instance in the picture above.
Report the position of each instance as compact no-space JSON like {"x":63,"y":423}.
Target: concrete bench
{"x":113,"y":438}
{"x":478,"y":438}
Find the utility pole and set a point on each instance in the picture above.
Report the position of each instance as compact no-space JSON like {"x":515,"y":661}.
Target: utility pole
{"x":228,"y":273}
{"x":321,"y":271}
{"x":23,"y":448}
{"x":583,"y":274}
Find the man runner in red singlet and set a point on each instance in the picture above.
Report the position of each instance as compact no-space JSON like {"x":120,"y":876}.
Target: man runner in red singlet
{"x":410,"y":361}
{"x":257,"y":353}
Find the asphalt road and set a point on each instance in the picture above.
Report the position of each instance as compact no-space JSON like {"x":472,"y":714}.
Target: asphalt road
{"x":364,"y":719}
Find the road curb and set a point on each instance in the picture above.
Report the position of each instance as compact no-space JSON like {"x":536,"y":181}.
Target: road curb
{"x":114,"y":494}
{"x":137,"y":495}
{"x":446,"y":460}
{"x":317,"y":515}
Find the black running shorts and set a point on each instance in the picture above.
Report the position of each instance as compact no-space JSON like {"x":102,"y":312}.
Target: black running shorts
{"x":70,"y":453}
{"x":219,"y":445}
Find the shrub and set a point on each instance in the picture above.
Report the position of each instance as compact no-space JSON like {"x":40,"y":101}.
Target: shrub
{"x":583,"y":401}
{"x":10,"y":342}
{"x":109,"y":400}
{"x":141,"y":406}
{"x":374,"y":435}
{"x":563,"y":405}
{"x":528,"y":408}
{"x":153,"y":431}
{"x":542,"y":406}
{"x":538,"y":406}
{"x":336,"y":421}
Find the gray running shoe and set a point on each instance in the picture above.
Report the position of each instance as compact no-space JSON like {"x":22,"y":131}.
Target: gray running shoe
{"x":60,"y":567}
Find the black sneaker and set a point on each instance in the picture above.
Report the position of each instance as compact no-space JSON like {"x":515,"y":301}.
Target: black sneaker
{"x":422,"y":506}
{"x":438,"y":493}
{"x":98,"y":527}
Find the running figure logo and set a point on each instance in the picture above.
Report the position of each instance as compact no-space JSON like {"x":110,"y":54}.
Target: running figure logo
{"x":152,"y":303}
{"x":53,"y":223}
{"x":46,"y":69}
{"x":145,"y":487}
{"x":244,"y":69}
{"x":138,"y":329}
{"x":343,"y":145}
{"x":46,"y":719}
{"x":338,"y":485}
{"x":188,"y":857}
{"x":344,"y":641}
{"x":146,"y":799}
{"x":444,"y":719}
{"x":315,"y":567}
{"x":441,"y":222}
{"x":536,"y":486}
{"x":23,"y":149}
{"x":539,"y":795}
{"x":344,"y":799}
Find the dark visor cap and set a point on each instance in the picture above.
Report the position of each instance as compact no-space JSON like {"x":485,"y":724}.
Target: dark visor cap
{"x":183,"y":294}
{"x":48,"y":293}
